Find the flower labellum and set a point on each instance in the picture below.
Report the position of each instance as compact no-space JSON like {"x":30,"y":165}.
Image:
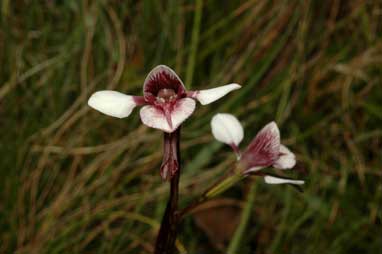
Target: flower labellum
{"x":166,"y":103}
{"x":265,"y":150}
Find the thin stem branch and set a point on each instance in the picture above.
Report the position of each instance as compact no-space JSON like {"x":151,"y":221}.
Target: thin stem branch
{"x":217,"y":188}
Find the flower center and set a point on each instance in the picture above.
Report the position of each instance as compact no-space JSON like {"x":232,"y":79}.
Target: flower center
{"x":166,"y":95}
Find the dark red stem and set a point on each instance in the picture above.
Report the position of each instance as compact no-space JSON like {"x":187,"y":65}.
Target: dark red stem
{"x":165,"y":243}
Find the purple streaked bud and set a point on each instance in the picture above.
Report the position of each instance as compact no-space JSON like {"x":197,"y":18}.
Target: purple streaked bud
{"x":264,"y":150}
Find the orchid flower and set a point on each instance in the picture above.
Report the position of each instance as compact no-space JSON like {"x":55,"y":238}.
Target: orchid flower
{"x":264,"y":151}
{"x":166,"y":103}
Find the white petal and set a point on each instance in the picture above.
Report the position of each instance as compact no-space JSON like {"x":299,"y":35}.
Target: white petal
{"x":184,"y":108}
{"x":210,"y":95}
{"x":286,"y":160}
{"x":155,"y":118}
{"x":277,"y":180}
{"x":112,"y":103}
{"x":227,"y":129}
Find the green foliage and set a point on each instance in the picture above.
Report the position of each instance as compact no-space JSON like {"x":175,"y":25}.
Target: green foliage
{"x":76,"y":181}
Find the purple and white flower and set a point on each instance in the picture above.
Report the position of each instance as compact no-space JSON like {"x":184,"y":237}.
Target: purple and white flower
{"x":166,"y":103}
{"x":264,"y":151}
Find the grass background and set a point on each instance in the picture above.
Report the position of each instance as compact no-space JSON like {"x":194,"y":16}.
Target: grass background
{"x":75,"y":181}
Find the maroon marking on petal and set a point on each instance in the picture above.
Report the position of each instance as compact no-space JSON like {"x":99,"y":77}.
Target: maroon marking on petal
{"x":166,"y":107}
{"x":139,"y":100}
{"x":192,"y":94}
{"x":264,"y":149}
{"x":161,"y":116}
{"x":162,"y":77}
{"x":167,"y":113}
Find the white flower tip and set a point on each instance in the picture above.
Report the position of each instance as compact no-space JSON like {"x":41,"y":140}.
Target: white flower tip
{"x":227,"y":129}
{"x":272,"y":129}
{"x":286,"y":160}
{"x":231,"y":87}
{"x":235,"y":86}
{"x":112,"y":103}
{"x":277,"y":180}
{"x":210,"y":95}
{"x":272,"y":126}
{"x":161,"y":68}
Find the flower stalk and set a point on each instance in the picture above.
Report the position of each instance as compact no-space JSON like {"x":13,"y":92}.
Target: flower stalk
{"x":219,"y":187}
{"x":224,"y":185}
{"x":165,"y":243}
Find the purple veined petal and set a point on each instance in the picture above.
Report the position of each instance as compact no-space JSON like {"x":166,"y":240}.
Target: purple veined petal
{"x":227,"y":129}
{"x":277,"y":180}
{"x":114,"y":103}
{"x":286,"y":160}
{"x":210,"y":95}
{"x":264,"y":149}
{"x":156,"y":118}
{"x":159,"y":78}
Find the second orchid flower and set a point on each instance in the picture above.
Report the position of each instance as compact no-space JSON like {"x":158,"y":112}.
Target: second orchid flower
{"x":265,"y":150}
